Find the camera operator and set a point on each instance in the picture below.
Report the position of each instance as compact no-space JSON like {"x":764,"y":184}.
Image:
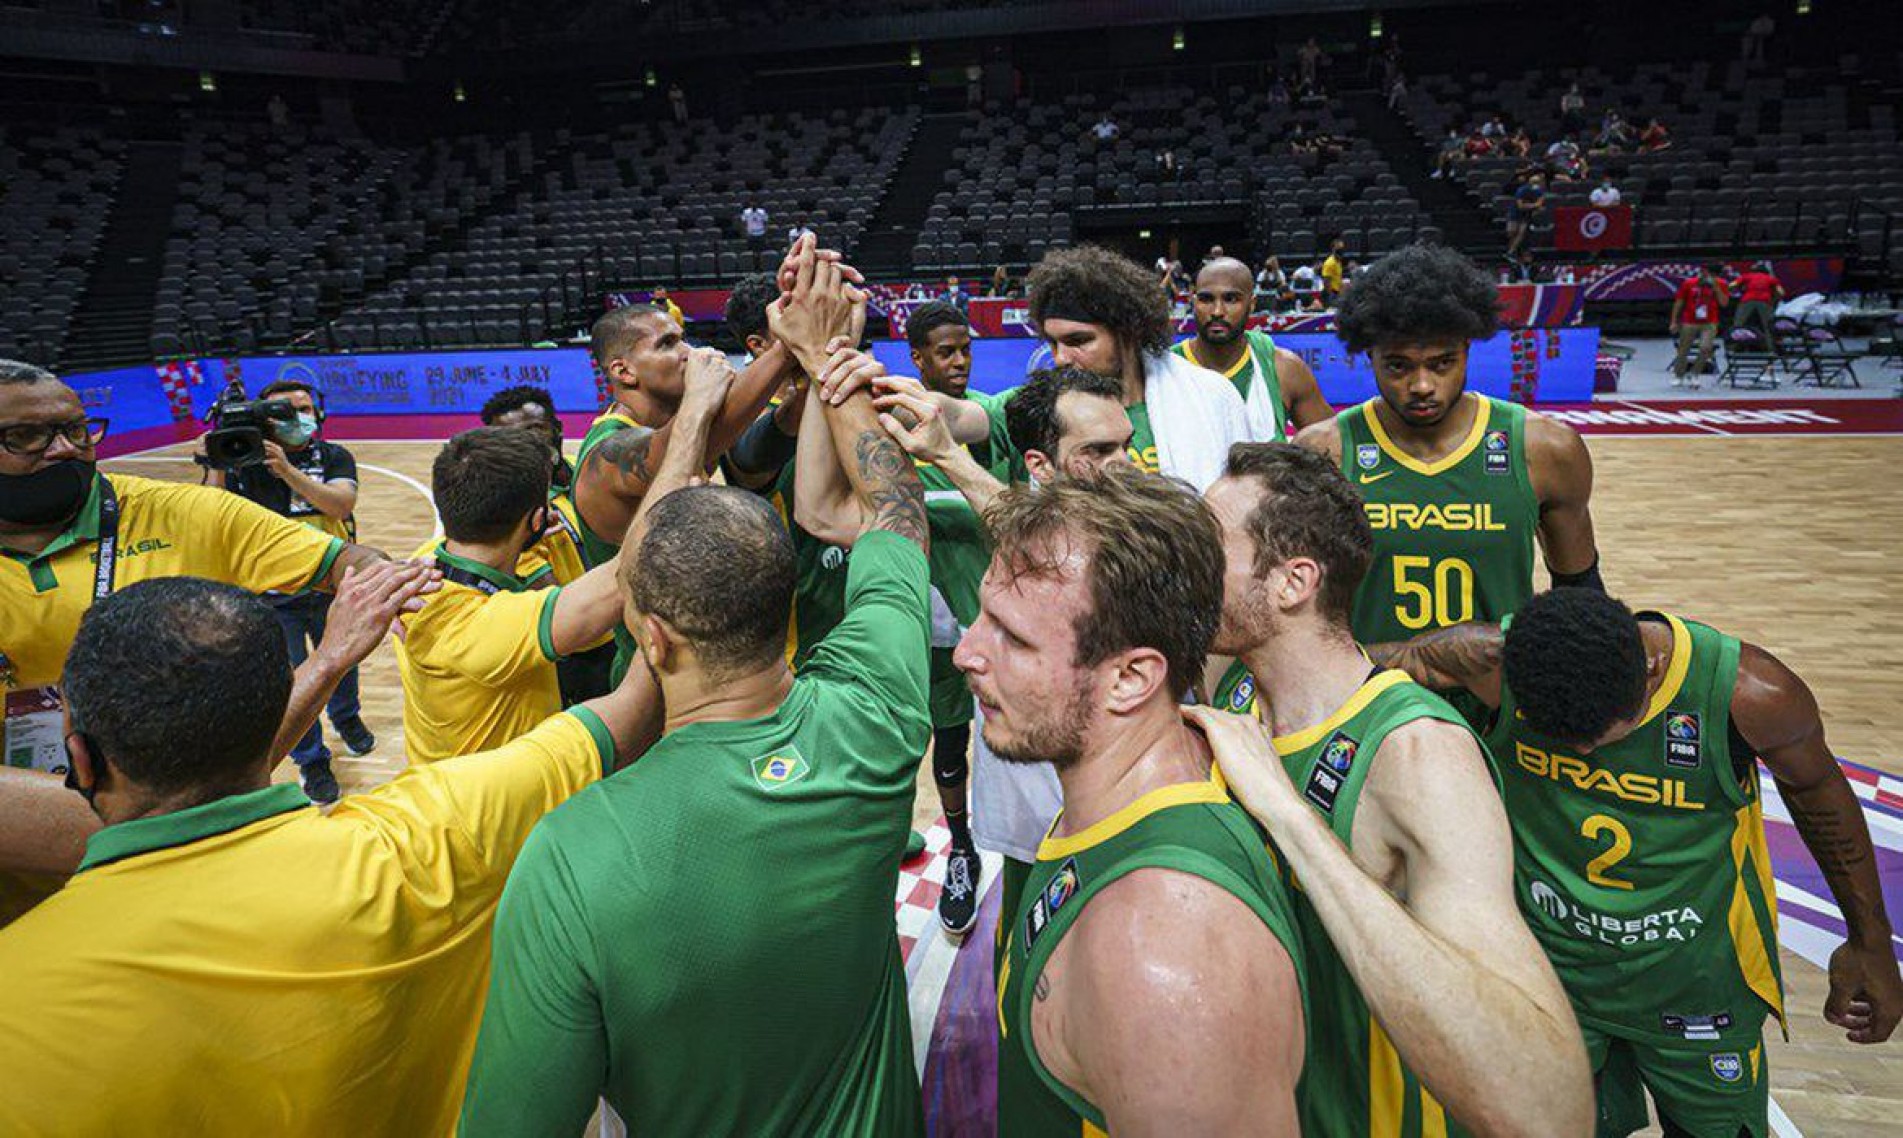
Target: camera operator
{"x":313,"y":481}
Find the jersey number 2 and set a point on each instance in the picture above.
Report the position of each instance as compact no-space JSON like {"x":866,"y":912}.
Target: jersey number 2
{"x":1592,"y":829}
{"x":1432,"y":594}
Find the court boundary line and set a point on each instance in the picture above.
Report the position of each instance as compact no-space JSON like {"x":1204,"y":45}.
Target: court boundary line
{"x":435,"y":519}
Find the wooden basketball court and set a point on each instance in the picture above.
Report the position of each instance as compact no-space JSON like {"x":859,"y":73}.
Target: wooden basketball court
{"x":1793,"y":543}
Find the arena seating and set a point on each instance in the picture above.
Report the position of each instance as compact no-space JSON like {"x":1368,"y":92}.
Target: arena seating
{"x":1757,"y":160}
{"x":1019,"y":173}
{"x":56,"y":188}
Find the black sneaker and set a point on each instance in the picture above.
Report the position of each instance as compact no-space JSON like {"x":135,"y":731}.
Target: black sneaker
{"x":356,"y":736}
{"x":958,"y":901}
{"x":320,"y":786}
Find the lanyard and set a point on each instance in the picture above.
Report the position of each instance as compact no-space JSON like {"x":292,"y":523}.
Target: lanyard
{"x":462,"y":576}
{"x":108,"y":541}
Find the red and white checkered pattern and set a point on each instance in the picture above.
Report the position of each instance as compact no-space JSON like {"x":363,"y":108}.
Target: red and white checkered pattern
{"x":920,"y":883}
{"x":176,"y":379}
{"x":1874,"y":786}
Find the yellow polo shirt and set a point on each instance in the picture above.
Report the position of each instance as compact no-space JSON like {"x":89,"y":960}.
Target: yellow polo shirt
{"x":166,"y":529}
{"x":253,"y":966}
{"x":556,"y":559}
{"x":478,"y":662}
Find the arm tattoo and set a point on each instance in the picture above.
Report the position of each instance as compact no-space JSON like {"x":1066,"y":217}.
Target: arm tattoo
{"x":891,"y":486}
{"x":1459,"y":652}
{"x":627,"y":451}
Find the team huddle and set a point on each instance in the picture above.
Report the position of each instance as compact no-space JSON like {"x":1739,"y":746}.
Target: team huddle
{"x":1315,"y":816}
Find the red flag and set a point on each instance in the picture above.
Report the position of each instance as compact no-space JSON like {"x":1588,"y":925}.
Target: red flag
{"x":1589,"y":228}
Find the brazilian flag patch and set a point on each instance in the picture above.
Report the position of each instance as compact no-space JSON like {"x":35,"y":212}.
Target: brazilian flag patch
{"x":780,"y":769}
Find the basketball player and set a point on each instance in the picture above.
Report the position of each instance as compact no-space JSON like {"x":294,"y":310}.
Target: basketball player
{"x":1628,"y":748}
{"x":478,"y":662}
{"x":1152,"y":975}
{"x":1276,"y":386}
{"x":1424,"y":988}
{"x":1100,"y":312}
{"x":940,"y":340}
{"x":533,"y":409}
{"x":1458,"y":485}
{"x":229,"y":961}
{"x":773,"y":807}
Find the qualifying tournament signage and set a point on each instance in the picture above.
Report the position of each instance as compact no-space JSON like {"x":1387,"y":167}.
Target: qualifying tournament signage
{"x":1584,"y":229}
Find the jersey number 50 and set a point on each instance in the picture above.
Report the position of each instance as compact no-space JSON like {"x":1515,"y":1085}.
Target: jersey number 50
{"x":1432,"y":594}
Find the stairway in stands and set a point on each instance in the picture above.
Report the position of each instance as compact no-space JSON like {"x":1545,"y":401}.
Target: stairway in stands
{"x":886,"y":249}
{"x":113,"y":324}
{"x":1460,"y":217}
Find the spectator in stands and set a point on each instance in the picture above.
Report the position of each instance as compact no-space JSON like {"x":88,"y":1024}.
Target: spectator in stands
{"x":1001,"y":283}
{"x":1758,"y":293}
{"x":677,"y":100}
{"x":1309,"y":59}
{"x":753,"y":219}
{"x":313,"y":481}
{"x":796,"y":231}
{"x":1527,"y":203}
{"x":956,"y":296}
{"x":1271,"y":286}
{"x":1655,"y":137}
{"x":1215,"y":254}
{"x":1564,"y":161}
{"x":1453,"y":151}
{"x":1614,"y":134}
{"x":1305,"y":286}
{"x":1106,"y":129}
{"x":1572,"y":110}
{"x":1279,"y":94}
{"x":661,"y":300}
{"x":1695,"y":312}
{"x":1332,"y":267}
{"x":1522,"y":269}
{"x":1605,"y":195}
{"x":1756,"y":34}
{"x":1478,"y":145}
{"x":1397,"y":91}
{"x":1166,"y":163}
{"x":1495,"y":127}
{"x":1518,"y":144}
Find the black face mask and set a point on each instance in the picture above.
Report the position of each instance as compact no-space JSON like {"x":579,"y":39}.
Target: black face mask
{"x":53,"y":493}
{"x":72,"y":769}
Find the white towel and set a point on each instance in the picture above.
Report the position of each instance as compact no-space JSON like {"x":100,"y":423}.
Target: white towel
{"x":1196,"y":416}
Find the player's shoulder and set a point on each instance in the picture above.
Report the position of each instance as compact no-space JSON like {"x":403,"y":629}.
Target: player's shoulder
{"x":1324,"y":436}
{"x":1550,"y":441}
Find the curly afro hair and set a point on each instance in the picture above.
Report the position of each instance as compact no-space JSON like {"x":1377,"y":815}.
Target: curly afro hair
{"x":745,"y":314}
{"x":1420,"y":294}
{"x":1575,"y":664}
{"x":930,"y":317}
{"x":1093,"y":284}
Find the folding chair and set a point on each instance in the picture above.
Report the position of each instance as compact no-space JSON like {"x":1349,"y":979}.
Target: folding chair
{"x":1830,"y":361}
{"x":1748,"y":361}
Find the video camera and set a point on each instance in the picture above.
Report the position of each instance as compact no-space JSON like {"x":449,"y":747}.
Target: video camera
{"x":239,"y":428}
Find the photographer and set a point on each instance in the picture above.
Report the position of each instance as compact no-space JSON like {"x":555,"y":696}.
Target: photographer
{"x":313,"y":481}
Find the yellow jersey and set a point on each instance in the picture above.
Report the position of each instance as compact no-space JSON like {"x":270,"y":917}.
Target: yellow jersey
{"x":253,"y":966}
{"x":478,"y":662}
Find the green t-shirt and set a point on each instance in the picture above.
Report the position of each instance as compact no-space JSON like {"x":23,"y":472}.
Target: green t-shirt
{"x":706,"y":938}
{"x":819,"y":588}
{"x":1143,"y":439}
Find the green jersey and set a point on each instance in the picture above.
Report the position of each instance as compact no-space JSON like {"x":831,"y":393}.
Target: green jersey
{"x":1143,"y":440}
{"x":1642,"y":867}
{"x":1193,"y":828}
{"x":1362,"y":1088}
{"x":1453,"y":539}
{"x":1257,"y":365}
{"x":596,"y":549}
{"x":641,"y":945}
{"x":819,"y":590}
{"x":960,"y":555}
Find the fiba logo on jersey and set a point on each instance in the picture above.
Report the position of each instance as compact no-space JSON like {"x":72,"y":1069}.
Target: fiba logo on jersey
{"x":1244,"y":694}
{"x":1368,"y":455}
{"x":1681,"y":739}
{"x":1498,"y":460}
{"x":1549,"y":900}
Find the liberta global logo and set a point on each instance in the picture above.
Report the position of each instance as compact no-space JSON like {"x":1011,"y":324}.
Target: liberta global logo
{"x":1664,"y":926}
{"x":780,"y":769}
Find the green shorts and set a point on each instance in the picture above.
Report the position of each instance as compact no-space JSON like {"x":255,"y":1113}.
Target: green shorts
{"x":1714,"y":1089}
{"x":951,"y":696}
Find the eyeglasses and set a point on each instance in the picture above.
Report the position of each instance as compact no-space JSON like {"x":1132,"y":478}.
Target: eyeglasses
{"x":34,"y":438}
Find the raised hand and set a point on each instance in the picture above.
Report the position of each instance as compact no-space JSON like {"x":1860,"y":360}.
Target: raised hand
{"x":918,"y":425}
{"x":708,"y":379}
{"x":368,"y":603}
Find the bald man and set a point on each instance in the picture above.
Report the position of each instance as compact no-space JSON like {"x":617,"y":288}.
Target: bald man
{"x":1275,"y":384}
